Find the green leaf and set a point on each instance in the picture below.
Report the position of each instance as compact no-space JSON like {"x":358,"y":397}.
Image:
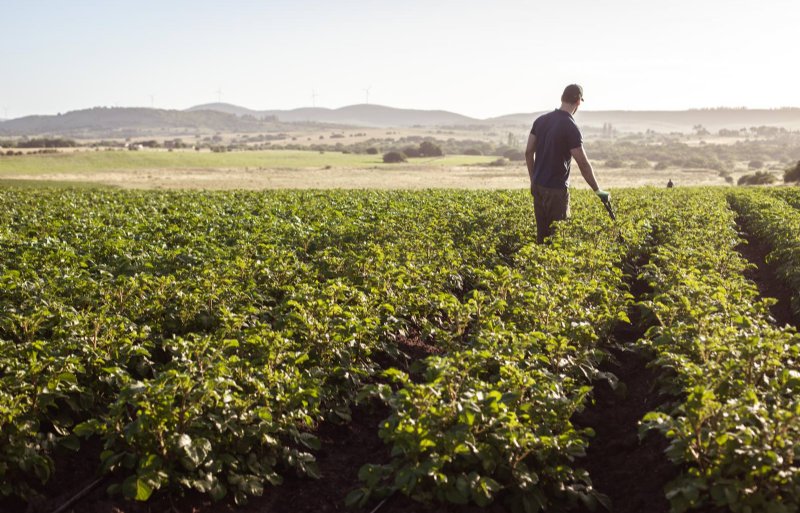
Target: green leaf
{"x":135,"y":488}
{"x":71,"y":442}
{"x":310,"y":441}
{"x":357,"y":498}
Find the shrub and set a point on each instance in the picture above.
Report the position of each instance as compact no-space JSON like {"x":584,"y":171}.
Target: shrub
{"x":499,"y":162}
{"x":411,"y":152}
{"x":758,"y":178}
{"x":473,"y":151}
{"x":615,"y":163}
{"x":755,"y":164}
{"x":394,"y":157}
{"x":428,"y":149}
{"x":372,"y":151}
{"x":514,"y":155}
{"x":792,"y":175}
{"x":662,"y":165}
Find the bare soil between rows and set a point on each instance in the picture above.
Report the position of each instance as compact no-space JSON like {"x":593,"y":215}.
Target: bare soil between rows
{"x":764,"y":276}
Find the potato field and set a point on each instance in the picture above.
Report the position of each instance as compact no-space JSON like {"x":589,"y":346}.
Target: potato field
{"x":417,"y":351}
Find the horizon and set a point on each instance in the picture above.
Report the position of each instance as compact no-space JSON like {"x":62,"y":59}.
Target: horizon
{"x":458,"y":57}
{"x":210,"y":104}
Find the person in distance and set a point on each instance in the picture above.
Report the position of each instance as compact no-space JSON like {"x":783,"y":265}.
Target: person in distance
{"x":554,"y":140}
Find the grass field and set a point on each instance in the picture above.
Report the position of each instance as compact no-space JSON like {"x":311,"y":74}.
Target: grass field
{"x":95,"y":161}
{"x":285,"y":169}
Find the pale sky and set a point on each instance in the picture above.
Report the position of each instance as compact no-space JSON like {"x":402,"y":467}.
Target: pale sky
{"x":478,"y":58}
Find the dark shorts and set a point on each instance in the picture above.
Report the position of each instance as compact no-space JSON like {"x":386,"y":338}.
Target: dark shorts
{"x":549,"y":205}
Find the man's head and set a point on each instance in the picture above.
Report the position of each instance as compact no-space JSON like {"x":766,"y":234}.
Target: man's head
{"x":572,"y":97}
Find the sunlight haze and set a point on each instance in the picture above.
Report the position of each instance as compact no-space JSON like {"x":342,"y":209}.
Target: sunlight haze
{"x":480,"y":59}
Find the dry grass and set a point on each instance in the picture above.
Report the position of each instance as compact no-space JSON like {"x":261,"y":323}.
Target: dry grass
{"x":409,"y":177}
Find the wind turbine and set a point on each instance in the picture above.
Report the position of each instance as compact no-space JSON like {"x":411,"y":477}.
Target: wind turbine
{"x":219,"y":95}
{"x":366,"y":93}
{"x":314,"y":97}
{"x":152,"y":100}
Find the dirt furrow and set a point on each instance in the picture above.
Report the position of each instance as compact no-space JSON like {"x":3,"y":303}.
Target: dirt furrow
{"x":630,"y":471}
{"x":764,"y":276}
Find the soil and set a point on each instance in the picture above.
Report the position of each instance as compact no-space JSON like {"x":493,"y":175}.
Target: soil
{"x":630,"y":471}
{"x":765,"y":277}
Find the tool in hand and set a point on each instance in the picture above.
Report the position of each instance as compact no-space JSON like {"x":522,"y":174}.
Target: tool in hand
{"x":607,"y":203}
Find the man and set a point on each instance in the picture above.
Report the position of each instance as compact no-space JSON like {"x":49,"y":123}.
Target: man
{"x":555,"y":139}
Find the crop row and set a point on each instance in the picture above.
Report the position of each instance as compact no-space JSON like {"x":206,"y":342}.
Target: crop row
{"x":491,"y":418}
{"x":732,"y":373}
{"x":201,"y":338}
{"x":772,"y":220}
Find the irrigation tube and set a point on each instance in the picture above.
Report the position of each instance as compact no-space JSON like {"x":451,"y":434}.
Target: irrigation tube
{"x":78,"y":496}
{"x":381,"y":503}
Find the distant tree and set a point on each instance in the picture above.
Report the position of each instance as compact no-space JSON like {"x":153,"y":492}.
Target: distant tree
{"x":615,"y":163}
{"x":512,"y":140}
{"x":472,"y":151}
{"x":755,"y":164}
{"x":661,"y":165}
{"x":792,"y":175}
{"x":428,"y":149}
{"x":45,"y":142}
{"x":394,"y":157}
{"x":412,"y":152}
{"x":514,"y":155}
{"x":372,"y":151}
{"x":758,"y":178}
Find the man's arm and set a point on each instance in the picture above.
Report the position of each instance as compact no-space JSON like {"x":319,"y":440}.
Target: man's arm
{"x":586,"y":168}
{"x":529,"y":155}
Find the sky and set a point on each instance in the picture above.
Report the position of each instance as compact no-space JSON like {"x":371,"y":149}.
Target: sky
{"x":477,"y":58}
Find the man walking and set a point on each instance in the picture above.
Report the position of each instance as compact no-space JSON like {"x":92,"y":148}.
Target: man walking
{"x":555,"y":139}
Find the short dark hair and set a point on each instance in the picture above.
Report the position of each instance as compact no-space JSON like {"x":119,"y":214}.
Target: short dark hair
{"x":572,"y":93}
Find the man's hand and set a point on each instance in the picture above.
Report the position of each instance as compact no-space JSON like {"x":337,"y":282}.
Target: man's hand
{"x":603,"y":195}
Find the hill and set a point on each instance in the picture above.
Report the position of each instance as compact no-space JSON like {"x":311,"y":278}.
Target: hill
{"x":674,"y":121}
{"x":357,"y":115}
{"x":125,"y":122}
{"x":222,"y":117}
{"x":623,"y":121}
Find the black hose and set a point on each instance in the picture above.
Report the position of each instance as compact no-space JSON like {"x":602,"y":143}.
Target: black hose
{"x":78,"y":496}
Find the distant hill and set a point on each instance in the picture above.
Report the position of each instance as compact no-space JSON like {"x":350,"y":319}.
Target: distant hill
{"x":357,"y":115}
{"x":222,"y":117}
{"x":624,"y":121}
{"x":111,"y":122}
{"x":674,"y":121}
{"x":226,"y":108}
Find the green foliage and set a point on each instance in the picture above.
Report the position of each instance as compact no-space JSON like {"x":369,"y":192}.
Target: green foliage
{"x":492,"y":418}
{"x":202,"y":338}
{"x":732,"y":368}
{"x":792,"y":175}
{"x":429,"y":149}
{"x":394,"y":157}
{"x":757,"y":178}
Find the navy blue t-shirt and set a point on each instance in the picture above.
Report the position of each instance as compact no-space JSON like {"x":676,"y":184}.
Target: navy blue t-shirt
{"x":556,"y":133}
